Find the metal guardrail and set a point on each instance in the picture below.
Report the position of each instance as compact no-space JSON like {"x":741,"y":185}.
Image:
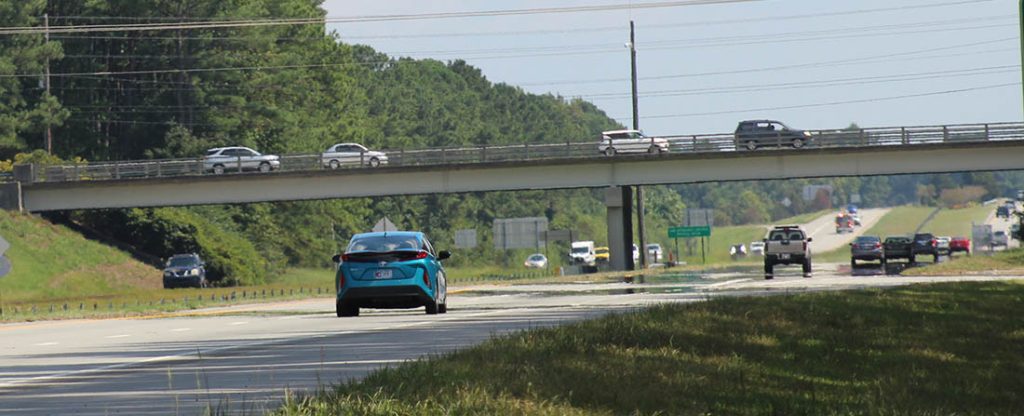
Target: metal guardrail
{"x":695,"y":144}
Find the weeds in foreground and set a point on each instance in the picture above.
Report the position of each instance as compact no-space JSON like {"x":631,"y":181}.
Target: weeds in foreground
{"x":925,"y":349}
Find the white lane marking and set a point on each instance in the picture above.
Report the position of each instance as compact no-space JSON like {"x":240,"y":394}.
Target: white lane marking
{"x":46,"y":344}
{"x":181,"y":329}
{"x":192,"y":354}
{"x":118,"y":336}
{"x":725,"y":283}
{"x":240,"y":323}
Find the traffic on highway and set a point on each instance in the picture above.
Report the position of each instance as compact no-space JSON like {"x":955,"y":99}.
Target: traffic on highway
{"x":763,"y":135}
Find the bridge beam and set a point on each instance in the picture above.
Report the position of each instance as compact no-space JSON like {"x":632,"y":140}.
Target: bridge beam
{"x":522,"y":175}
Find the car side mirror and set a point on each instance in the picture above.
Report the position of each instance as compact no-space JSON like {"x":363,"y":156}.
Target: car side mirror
{"x":336,"y":258}
{"x":444,"y":255}
{"x":809,"y":239}
{"x":764,"y":240}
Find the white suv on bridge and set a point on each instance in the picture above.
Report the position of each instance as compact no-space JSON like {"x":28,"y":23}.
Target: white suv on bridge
{"x":630,"y":141}
{"x":236,"y":159}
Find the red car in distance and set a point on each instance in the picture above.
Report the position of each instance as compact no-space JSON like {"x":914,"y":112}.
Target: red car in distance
{"x":960,"y":244}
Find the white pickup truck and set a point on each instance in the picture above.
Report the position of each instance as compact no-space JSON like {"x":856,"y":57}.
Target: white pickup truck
{"x":787,"y":244}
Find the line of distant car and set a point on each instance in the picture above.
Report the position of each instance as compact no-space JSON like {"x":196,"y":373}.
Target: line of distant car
{"x":239,"y":158}
{"x":873,"y":248}
{"x":751,"y":135}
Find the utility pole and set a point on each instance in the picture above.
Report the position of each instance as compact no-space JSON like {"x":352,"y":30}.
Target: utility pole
{"x":636,"y":126}
{"x":49,"y":132}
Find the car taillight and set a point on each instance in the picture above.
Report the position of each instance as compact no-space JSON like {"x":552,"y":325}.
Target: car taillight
{"x":805,"y":246}
{"x":421,"y":255}
{"x":341,"y":280}
{"x":426,"y":278}
{"x":878,"y":245}
{"x":934,"y":242}
{"x":345,"y":257}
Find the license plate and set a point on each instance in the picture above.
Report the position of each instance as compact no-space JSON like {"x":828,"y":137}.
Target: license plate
{"x":784,"y":256}
{"x":382,"y":274}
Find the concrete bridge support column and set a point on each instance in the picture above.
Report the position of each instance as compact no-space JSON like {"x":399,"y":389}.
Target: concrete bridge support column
{"x":619,"y":201}
{"x":10,"y":196}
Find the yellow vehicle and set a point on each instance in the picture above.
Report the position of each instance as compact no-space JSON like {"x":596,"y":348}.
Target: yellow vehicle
{"x":601,"y":254}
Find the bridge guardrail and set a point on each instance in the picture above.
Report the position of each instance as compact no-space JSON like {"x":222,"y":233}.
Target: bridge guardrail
{"x":698,"y":144}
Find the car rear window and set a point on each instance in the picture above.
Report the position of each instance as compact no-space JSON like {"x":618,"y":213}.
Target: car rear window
{"x":383,"y":244}
{"x":867,"y":239}
{"x":780,"y":235}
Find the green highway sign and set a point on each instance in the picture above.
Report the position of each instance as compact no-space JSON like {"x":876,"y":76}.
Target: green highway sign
{"x":689,"y":232}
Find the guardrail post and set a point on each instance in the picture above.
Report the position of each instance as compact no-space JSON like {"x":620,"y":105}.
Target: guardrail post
{"x":568,"y":149}
{"x":483,"y":153}
{"x":76,"y":171}
{"x":526,"y":147}
{"x":362,"y":158}
{"x":117,"y":170}
{"x":903,"y":135}
{"x":444,"y":156}
{"x":987,"y":138}
{"x":401,"y":156}
{"x":945,"y":133}
{"x":694,"y":148}
{"x":239,"y":161}
{"x":159,"y":169}
{"x":863,"y":138}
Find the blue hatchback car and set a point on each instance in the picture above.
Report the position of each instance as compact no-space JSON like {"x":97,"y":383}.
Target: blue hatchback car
{"x":391,"y":270}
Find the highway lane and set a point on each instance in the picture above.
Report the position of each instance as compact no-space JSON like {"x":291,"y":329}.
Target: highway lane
{"x":823,"y":229}
{"x":246,"y":360}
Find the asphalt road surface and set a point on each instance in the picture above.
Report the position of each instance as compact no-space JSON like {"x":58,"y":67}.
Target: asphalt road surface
{"x":243,"y":360}
{"x":823,"y":230}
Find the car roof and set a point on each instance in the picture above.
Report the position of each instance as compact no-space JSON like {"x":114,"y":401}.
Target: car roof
{"x":417,"y":234}
{"x":620,"y":131}
{"x":759,"y":121}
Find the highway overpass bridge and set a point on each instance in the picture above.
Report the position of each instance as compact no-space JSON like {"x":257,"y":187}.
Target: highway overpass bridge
{"x":693,"y":159}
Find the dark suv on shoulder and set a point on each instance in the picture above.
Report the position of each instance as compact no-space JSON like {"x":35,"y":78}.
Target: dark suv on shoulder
{"x":924,"y":244}
{"x":752,"y":134}
{"x":185,"y":270}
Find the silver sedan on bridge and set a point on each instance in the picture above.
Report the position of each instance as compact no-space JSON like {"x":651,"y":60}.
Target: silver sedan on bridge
{"x":344,"y":154}
{"x":237,"y":159}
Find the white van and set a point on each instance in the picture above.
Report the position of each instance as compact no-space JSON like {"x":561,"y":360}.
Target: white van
{"x":582,"y":252}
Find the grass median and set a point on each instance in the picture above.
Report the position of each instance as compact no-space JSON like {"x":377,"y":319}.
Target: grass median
{"x":924,"y":349}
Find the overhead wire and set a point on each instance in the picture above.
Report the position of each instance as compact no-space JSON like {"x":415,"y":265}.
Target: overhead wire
{"x":358,"y":19}
{"x":833,"y":103}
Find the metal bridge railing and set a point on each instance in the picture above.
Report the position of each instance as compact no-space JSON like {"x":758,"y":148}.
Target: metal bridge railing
{"x":696,"y":144}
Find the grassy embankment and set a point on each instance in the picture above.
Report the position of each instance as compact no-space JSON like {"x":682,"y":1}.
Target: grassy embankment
{"x":906,"y":219}
{"x":54,"y":266}
{"x":923,"y":349}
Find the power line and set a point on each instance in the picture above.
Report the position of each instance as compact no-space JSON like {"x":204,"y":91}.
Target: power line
{"x":837,"y":62}
{"x":599,"y":29}
{"x":360,"y":19}
{"x":833,"y":103}
{"x":817,"y":84}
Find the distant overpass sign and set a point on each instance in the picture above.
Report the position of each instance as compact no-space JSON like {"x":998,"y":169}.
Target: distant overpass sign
{"x":465,"y":239}
{"x":5,"y":264}
{"x":384,"y":225}
{"x":689,"y":232}
{"x":510,"y":233}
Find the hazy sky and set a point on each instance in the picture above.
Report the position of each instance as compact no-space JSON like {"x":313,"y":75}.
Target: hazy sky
{"x":813,"y":64}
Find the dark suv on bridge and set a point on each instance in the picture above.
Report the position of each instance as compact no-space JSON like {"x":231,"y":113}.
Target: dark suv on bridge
{"x":752,"y":134}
